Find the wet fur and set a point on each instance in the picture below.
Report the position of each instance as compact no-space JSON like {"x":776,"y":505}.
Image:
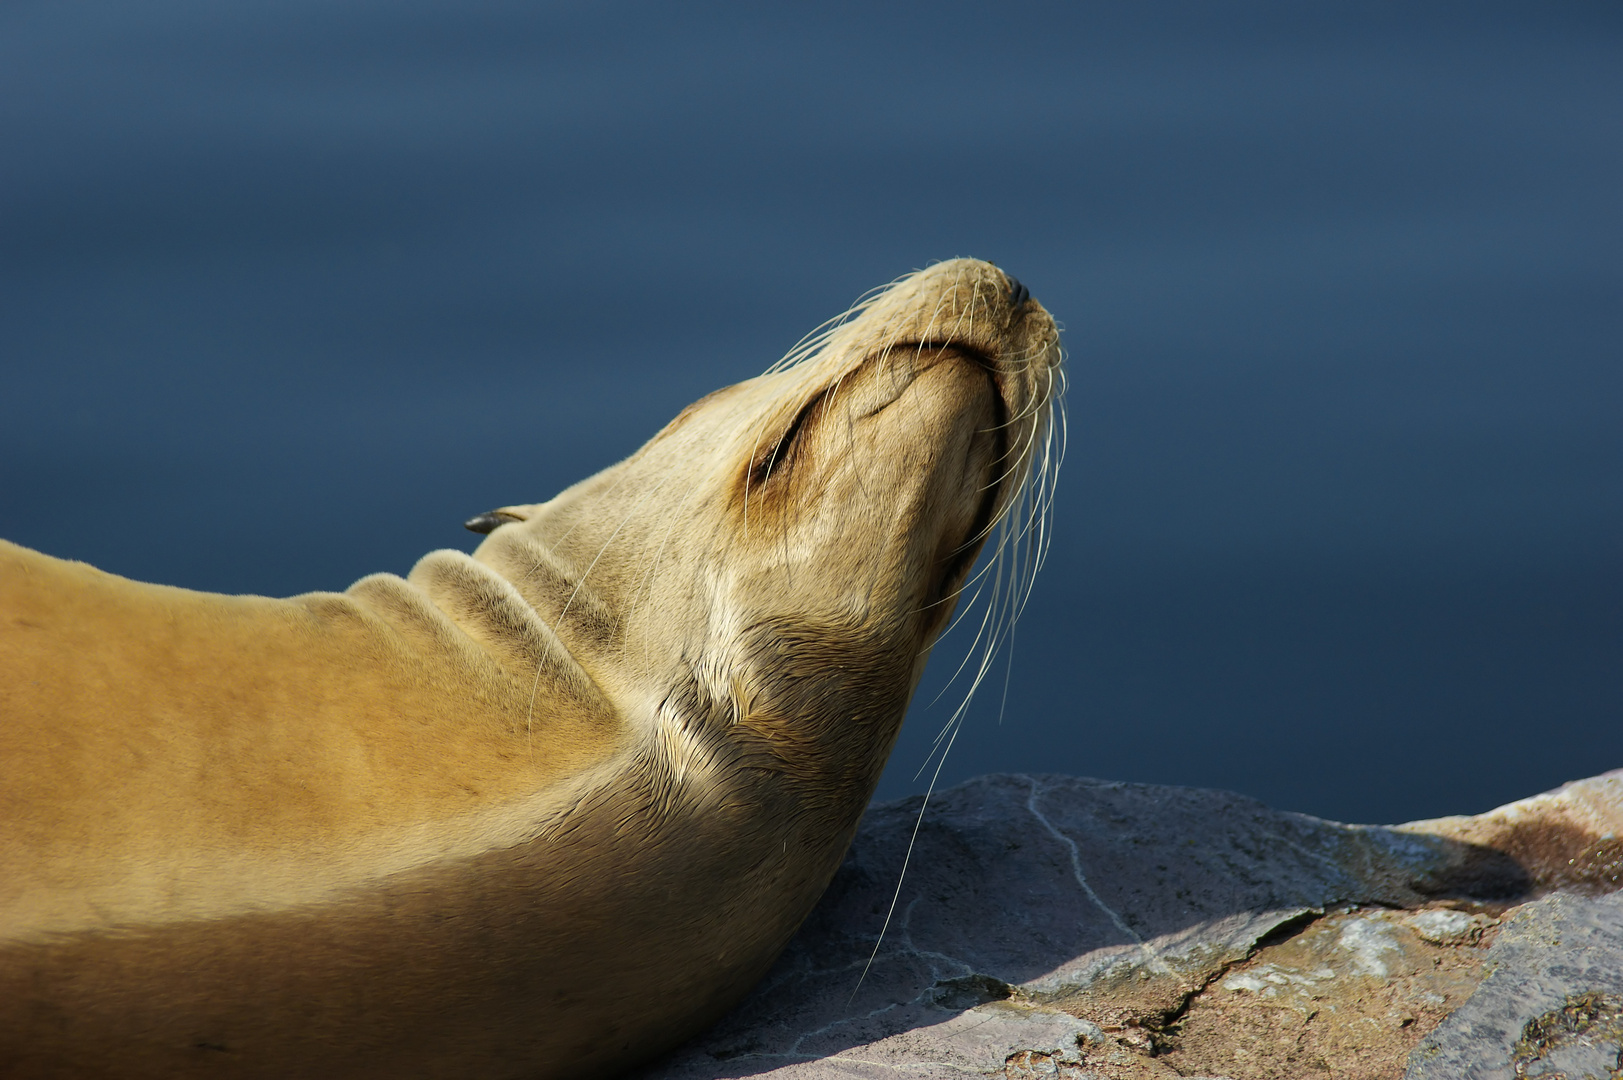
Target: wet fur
{"x":541,"y":811}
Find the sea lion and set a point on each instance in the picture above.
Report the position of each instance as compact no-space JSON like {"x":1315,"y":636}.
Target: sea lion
{"x":545,"y":810}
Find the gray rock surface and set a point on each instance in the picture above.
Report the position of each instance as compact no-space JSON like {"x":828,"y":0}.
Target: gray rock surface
{"x":1551,"y":1004}
{"x":1058,"y":926}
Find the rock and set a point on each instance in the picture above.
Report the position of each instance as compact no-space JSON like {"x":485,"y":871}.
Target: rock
{"x":1351,"y":996}
{"x":1062,"y":927}
{"x":1551,"y":1005}
{"x":1570,"y":838}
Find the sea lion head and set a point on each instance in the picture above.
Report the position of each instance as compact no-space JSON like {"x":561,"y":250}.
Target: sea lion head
{"x":776,"y":563}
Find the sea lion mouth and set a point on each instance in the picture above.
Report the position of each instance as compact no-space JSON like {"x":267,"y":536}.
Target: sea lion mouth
{"x":938,"y":352}
{"x":779,"y":456}
{"x":987,"y":468}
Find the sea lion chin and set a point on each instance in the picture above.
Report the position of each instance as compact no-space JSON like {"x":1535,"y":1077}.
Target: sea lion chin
{"x":544,"y":810}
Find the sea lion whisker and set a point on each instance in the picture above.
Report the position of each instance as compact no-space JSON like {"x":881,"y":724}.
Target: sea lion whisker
{"x":991,"y":574}
{"x":912,"y":842}
{"x":1039,"y":523}
{"x":1039,"y":515}
{"x":979,"y":583}
{"x":997,"y":483}
{"x":1003,"y":558}
{"x":813,"y":342}
{"x":997,"y":521}
{"x":1036,"y":407}
{"x":991,"y":562}
{"x":970,"y":653}
{"x":987,"y":654}
{"x":977,"y":580}
{"x":1025,"y":584}
{"x":1045,"y":495}
{"x":1003,"y":629}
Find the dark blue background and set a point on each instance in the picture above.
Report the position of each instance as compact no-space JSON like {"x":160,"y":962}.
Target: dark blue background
{"x":289,"y":289}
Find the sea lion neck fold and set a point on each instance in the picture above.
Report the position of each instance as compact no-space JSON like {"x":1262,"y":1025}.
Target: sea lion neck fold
{"x":543,"y":810}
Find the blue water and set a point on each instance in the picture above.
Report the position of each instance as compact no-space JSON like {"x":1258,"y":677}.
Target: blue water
{"x":287,"y":290}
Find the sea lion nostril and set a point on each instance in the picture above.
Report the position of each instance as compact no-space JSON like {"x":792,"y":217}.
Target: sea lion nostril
{"x":1018,"y":294}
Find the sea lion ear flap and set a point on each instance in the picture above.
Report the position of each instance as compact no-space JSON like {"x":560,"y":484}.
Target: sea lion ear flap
{"x":491,"y":520}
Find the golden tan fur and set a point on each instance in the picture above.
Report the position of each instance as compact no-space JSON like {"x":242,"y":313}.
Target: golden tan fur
{"x":540,"y":811}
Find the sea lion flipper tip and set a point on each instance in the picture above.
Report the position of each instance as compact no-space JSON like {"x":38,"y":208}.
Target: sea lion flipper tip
{"x":489,"y":521}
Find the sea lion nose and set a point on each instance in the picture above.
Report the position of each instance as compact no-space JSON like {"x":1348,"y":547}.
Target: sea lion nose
{"x":1018,"y":294}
